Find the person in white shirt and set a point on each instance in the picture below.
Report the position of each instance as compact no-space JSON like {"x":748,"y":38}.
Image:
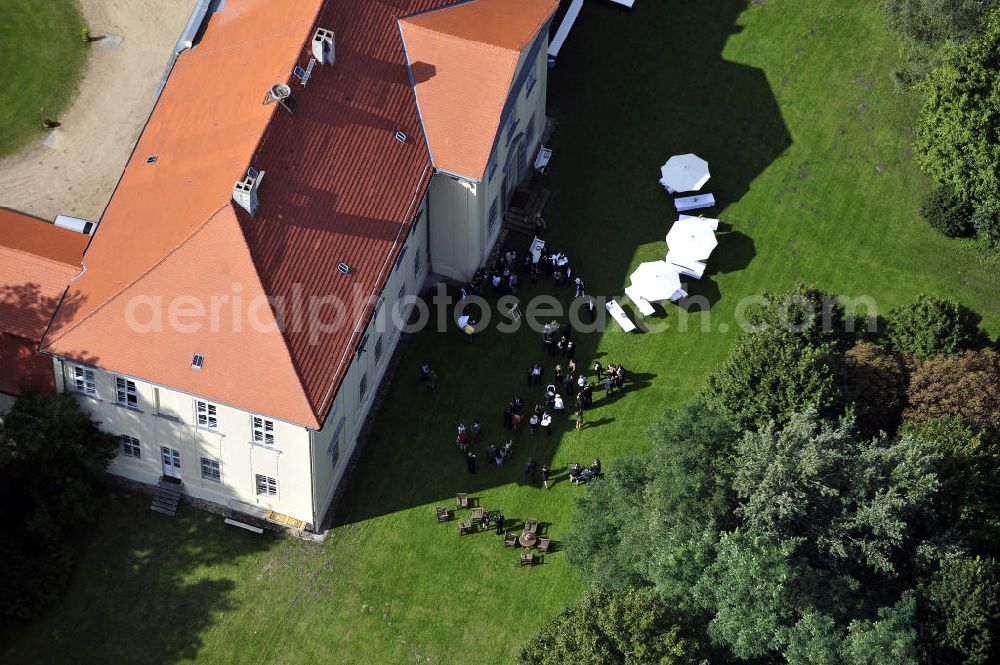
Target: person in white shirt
{"x":547,"y":423}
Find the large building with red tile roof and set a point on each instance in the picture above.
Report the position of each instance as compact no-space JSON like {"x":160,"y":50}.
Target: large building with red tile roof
{"x":307,"y":164}
{"x":37,"y":261}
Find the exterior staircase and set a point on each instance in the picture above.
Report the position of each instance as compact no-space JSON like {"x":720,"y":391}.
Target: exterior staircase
{"x":529,"y":199}
{"x":168,"y":495}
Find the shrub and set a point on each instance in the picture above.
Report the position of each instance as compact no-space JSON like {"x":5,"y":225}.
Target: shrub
{"x":947,"y":213}
{"x":930,"y":326}
{"x":986,"y":222}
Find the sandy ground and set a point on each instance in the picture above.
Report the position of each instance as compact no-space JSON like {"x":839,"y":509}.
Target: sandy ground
{"x":77,"y":174}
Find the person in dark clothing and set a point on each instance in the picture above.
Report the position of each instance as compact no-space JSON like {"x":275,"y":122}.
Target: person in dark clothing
{"x":596,"y":467}
{"x":598,"y":369}
{"x":508,"y":415}
{"x":567,"y":331}
{"x":570,"y":350}
{"x":470,"y":461}
{"x":491,"y":453}
{"x":499,"y":522}
{"x":484,"y":521}
{"x":591,"y":310}
{"x":530,"y":468}
{"x":545,"y":475}
{"x":531,"y":374}
{"x":518,"y":404}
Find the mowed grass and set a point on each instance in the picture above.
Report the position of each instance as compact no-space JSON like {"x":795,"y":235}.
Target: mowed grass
{"x":793,"y":106}
{"x":42,"y":56}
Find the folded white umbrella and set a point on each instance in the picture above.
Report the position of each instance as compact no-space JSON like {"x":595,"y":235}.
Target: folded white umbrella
{"x":693,"y":238}
{"x":685,"y":173}
{"x":656,"y":280}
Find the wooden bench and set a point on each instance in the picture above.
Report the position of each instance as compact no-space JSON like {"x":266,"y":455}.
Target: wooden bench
{"x":618,"y":314}
{"x":244,"y":525}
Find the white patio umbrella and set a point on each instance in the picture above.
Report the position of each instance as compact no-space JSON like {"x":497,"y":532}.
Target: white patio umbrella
{"x":685,"y":173}
{"x":656,"y":280}
{"x":692,"y":237}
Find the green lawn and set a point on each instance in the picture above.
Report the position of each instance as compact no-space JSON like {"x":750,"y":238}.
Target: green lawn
{"x":42,"y":56}
{"x":793,"y":106}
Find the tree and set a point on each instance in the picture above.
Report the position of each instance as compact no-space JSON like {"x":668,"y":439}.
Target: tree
{"x":960,"y":607}
{"x":930,"y":326}
{"x":956,"y":134}
{"x":966,"y":385}
{"x":50,"y":455}
{"x":948,"y":213}
{"x":876,"y":383}
{"x":770,"y":374}
{"x":813,"y":315}
{"x":633,"y":627}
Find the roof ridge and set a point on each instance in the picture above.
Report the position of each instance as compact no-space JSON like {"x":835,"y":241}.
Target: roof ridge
{"x":138,"y":279}
{"x":281,"y":329}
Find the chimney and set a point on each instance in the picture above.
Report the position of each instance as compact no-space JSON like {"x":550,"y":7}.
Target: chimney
{"x":245,"y":191}
{"x":323,"y":46}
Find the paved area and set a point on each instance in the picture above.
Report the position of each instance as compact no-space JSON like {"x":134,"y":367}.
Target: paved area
{"x":75,"y":169}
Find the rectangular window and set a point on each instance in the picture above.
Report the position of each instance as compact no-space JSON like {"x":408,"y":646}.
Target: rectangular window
{"x":511,"y":129}
{"x":402,"y":255}
{"x":263,"y":431}
{"x":378,"y":349}
{"x":210,"y":470}
{"x":362,"y":345}
{"x":266,"y":486}
{"x":85,"y":381}
{"x":529,"y":133}
{"x":416,"y":263}
{"x":493,"y":216}
{"x":363,"y":387}
{"x":207,"y":415}
{"x":335,"y":454}
{"x":126,"y":394}
{"x":530,"y":82}
{"x":130,"y":446}
{"x":493,"y":167}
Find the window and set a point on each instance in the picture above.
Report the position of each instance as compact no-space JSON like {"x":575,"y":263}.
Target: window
{"x":530,"y":82}
{"x":363,"y":387}
{"x":378,"y":349}
{"x":493,"y":166}
{"x":335,"y":453}
{"x":362,"y":345}
{"x":263,"y":431}
{"x":402,"y":255}
{"x":207,"y":414}
{"x":493,"y":216}
{"x":402,"y":292}
{"x":130,"y":446}
{"x":416,"y":263}
{"x":197,"y":361}
{"x":85,"y":382}
{"x":126,"y":393}
{"x":529,"y":133}
{"x":266,"y":486}
{"x":511,"y":128}
{"x":210,"y":470}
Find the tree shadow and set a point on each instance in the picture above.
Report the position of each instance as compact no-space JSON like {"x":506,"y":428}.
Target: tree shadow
{"x":156,"y":586}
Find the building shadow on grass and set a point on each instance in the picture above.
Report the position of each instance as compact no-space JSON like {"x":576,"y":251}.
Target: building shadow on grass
{"x":629,"y":90}
{"x":143,"y":595}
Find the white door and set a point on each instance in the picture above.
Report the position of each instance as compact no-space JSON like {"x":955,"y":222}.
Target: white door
{"x":171,"y":462}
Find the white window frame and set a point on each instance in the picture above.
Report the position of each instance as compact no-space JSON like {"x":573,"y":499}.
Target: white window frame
{"x":493,"y":166}
{"x":416,"y":262}
{"x":263,"y":431}
{"x":378,"y":349}
{"x":265,"y":485}
{"x":85,"y":381}
{"x":206,"y":415}
{"x":126,"y":393}
{"x":130,"y":446}
{"x":213,"y":468}
{"x":529,"y":133}
{"x":363,"y":387}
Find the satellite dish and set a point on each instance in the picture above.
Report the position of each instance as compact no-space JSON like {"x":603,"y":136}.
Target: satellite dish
{"x":280,"y":91}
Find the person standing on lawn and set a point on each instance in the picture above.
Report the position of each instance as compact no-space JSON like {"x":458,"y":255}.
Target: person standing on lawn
{"x":500,"y":520}
{"x":470,"y":462}
{"x":530,"y":468}
{"x":579,"y":419}
{"x":598,"y":369}
{"x":545,"y":475}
